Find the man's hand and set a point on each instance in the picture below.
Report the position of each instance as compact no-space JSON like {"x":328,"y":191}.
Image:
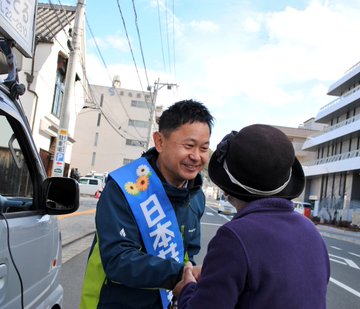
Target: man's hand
{"x":187,"y":277}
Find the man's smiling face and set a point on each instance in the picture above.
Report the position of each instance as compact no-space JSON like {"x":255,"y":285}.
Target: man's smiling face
{"x":183,"y":153}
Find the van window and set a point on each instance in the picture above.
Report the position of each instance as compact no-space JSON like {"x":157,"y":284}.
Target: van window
{"x":15,"y":180}
{"x":93,"y":182}
{"x":83,"y":181}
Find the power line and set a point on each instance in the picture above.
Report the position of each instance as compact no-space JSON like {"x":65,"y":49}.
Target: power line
{"x":173,"y":28}
{"x":141,"y":49}
{"x":58,"y":18}
{"x":167,"y":34}
{"x":103,"y":61}
{"x":161,"y":38}
{"x":127,"y":36}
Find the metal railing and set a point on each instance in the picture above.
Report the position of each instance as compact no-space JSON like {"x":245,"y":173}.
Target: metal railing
{"x":342,"y":123}
{"x":337,"y":157}
{"x":337,"y":100}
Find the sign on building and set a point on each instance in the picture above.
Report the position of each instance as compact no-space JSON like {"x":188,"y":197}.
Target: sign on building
{"x":17,"y":22}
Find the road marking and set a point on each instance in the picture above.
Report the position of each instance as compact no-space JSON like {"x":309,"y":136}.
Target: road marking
{"x":215,"y":224}
{"x":78,"y":213}
{"x":343,"y":263}
{"x":358,"y":255}
{"x":346,"y":261}
{"x":225,"y":217}
{"x":209,"y":213}
{"x":345,"y":287}
{"x":336,"y":248}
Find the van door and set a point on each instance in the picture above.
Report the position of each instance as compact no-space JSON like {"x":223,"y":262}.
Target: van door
{"x":30,"y":244}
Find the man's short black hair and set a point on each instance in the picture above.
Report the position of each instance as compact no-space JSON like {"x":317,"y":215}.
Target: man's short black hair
{"x":183,"y":112}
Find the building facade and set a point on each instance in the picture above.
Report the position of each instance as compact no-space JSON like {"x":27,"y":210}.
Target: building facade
{"x":113,"y":128}
{"x":44,"y":78}
{"x":333,"y":178}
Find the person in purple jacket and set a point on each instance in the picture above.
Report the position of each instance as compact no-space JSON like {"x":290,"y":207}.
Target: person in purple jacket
{"x":268,"y":255}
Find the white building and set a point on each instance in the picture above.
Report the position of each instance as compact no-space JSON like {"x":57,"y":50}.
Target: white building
{"x":112,"y":129}
{"x":44,"y":77}
{"x":333,"y":179}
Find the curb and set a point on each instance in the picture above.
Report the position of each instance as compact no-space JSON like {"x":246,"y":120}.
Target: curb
{"x":350,"y":239}
{"x":70,"y":241}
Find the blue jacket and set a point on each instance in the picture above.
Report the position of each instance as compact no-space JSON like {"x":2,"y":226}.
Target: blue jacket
{"x":268,"y":256}
{"x":131,"y":277}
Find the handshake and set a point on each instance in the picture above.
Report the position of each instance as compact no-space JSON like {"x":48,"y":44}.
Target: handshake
{"x":190,"y":274}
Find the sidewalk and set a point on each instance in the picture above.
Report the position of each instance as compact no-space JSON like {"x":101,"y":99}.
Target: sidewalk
{"x":338,"y":233}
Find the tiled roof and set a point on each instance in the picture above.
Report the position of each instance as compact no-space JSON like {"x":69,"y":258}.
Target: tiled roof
{"x":51,"y":19}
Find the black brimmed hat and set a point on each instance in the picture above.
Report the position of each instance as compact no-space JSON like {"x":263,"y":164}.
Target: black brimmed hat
{"x":256,"y":162}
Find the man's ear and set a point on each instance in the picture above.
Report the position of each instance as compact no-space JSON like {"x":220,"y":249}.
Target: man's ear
{"x":158,"y":141}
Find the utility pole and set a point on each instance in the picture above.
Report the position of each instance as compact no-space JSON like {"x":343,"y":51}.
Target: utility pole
{"x":157,"y":87}
{"x":61,"y":142}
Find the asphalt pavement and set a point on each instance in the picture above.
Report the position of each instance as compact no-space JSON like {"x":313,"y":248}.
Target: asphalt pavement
{"x":75,"y":244}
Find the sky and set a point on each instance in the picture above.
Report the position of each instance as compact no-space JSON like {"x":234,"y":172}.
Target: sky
{"x":248,"y":61}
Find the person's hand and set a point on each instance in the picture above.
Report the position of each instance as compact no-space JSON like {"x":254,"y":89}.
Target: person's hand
{"x":187,"y":277}
{"x":196,"y":272}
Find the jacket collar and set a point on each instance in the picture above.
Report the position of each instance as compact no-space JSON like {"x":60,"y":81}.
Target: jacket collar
{"x":265,"y":205}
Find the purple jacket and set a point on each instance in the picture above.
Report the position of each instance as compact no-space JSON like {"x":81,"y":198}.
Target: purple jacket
{"x":268,"y":256}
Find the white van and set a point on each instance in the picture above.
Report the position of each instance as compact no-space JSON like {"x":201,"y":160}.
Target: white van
{"x":90,"y":185}
{"x":30,"y":240}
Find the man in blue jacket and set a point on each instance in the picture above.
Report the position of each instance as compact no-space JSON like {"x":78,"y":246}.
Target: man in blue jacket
{"x":148,"y":216}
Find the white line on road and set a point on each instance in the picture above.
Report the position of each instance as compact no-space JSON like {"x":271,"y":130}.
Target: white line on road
{"x":209,"y":213}
{"x":345,"y":287}
{"x":358,"y":255}
{"x":336,"y":248}
{"x":225,"y":217}
{"x":215,"y":224}
{"x":343,"y":263}
{"x":347,"y":261}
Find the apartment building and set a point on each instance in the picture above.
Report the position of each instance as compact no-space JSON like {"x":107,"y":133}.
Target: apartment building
{"x":333,"y":178}
{"x":113,"y":128}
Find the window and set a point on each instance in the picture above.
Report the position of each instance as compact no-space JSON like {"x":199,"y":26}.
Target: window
{"x":138,"y":123}
{"x":93,"y":158}
{"x":130,"y":94}
{"x":134,"y":142}
{"x":99,"y":120}
{"x":140,"y":104}
{"x":96,"y":139}
{"x":138,"y":95}
{"x":59,"y":86}
{"x":15,"y":180}
{"x":101,"y":100}
{"x":93,"y":182}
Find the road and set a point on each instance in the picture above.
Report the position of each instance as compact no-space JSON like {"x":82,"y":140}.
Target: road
{"x":344,"y":286}
{"x":343,"y":289}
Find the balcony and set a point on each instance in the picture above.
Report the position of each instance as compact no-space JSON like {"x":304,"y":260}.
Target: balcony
{"x":338,"y":130}
{"x":350,"y":78}
{"x":346,"y":161}
{"x":339,"y":106}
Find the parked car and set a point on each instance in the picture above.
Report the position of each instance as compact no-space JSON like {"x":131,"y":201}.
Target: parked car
{"x":102,"y":176}
{"x":225,"y":207}
{"x":30,"y":240}
{"x":303,"y":208}
{"x":90,"y":185}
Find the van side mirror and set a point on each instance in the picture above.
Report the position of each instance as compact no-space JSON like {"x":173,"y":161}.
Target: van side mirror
{"x":60,"y":195}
